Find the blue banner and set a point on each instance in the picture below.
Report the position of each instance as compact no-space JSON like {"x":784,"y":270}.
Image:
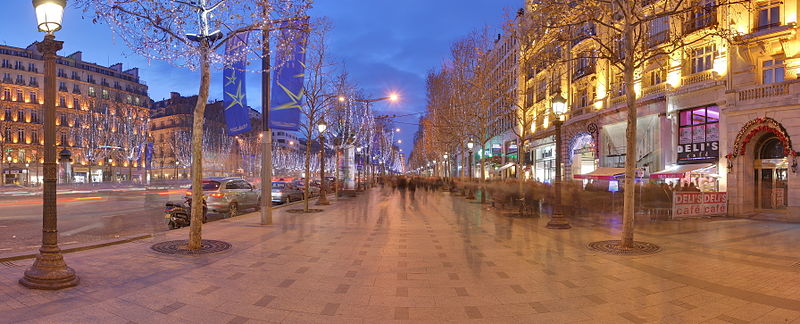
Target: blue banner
{"x":288,"y":79}
{"x":234,"y":92}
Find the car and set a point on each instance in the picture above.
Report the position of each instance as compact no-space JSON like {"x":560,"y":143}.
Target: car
{"x":229,"y":195}
{"x":312,"y":190}
{"x":285,"y":192}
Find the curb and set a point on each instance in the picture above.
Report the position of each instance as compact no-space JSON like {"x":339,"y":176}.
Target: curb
{"x":80,"y":248}
{"x":26,"y":255}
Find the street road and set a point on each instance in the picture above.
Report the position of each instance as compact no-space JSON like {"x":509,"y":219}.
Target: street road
{"x":85,"y":217}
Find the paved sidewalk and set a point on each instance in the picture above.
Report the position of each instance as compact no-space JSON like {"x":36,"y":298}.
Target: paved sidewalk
{"x":381,"y":257}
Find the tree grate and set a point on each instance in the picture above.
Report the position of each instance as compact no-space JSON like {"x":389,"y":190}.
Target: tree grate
{"x":180,"y":247}
{"x":612,"y":247}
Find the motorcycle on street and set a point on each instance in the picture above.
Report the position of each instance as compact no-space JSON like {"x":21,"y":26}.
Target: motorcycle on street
{"x":179,"y":215}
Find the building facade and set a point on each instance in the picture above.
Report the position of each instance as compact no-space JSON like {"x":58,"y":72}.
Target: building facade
{"x":718,"y":114}
{"x":101,"y":118}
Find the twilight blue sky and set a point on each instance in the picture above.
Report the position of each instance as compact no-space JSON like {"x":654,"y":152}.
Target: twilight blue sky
{"x":386,"y":46}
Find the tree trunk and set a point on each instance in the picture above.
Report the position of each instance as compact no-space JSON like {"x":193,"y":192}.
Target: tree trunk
{"x":130,"y":171}
{"x":308,"y":173}
{"x":90,"y":173}
{"x":483,"y":173}
{"x":195,"y":233}
{"x":630,"y":152}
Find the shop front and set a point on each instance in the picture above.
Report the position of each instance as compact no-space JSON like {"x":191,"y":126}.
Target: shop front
{"x":544,"y":159}
{"x":581,"y":154}
{"x":761,"y":166}
{"x":613,"y":149}
{"x":693,"y":180}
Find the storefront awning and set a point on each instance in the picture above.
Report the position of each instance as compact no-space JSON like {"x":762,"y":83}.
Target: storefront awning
{"x":680,"y":171}
{"x":602,"y":174}
{"x":508,"y":165}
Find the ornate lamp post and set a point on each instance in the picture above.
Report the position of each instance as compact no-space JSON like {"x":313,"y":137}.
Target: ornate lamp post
{"x":323,"y":195}
{"x":446,"y":165}
{"x":558,"y":221}
{"x":49,"y":271}
{"x":359,"y":163}
{"x":176,"y":169}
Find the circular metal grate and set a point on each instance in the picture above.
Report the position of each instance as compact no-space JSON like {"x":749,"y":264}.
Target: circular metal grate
{"x":612,"y":247}
{"x":181,"y":247}
{"x":301,"y":211}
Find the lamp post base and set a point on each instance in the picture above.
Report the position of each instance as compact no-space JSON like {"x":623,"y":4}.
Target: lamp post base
{"x":49,"y":271}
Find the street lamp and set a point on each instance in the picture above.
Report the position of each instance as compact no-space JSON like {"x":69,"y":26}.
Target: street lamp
{"x":323,"y":195}
{"x":446,"y":165}
{"x":470,"y":145}
{"x":176,"y":169}
{"x":558,"y":221}
{"x":49,"y":271}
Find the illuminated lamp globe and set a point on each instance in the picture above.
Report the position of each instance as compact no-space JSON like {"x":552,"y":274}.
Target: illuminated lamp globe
{"x":49,"y":14}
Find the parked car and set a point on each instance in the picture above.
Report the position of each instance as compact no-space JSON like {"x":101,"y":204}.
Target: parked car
{"x":229,"y":195}
{"x":285,"y":192}
{"x":312,"y":190}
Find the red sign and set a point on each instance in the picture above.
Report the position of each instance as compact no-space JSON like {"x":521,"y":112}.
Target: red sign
{"x":695,"y":204}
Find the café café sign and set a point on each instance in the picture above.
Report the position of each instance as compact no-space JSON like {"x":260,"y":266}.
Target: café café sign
{"x":695,"y":152}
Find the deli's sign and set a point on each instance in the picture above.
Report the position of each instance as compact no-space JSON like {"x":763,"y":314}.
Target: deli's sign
{"x":698,"y":151}
{"x":696,"y":204}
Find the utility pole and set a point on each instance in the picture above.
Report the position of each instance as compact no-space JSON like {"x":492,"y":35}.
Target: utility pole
{"x":266,"y":134}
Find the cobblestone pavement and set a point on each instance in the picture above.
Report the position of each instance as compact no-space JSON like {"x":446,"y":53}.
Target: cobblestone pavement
{"x":384,"y":257}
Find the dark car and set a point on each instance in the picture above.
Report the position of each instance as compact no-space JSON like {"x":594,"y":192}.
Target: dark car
{"x":285,"y":192}
{"x":312,"y":190}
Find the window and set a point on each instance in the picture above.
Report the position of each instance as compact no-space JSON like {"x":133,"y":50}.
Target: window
{"x":62,"y":86}
{"x":20,"y":97}
{"x":63,"y":139}
{"x":772,"y":71}
{"x":702,"y":59}
{"x":61,"y":73}
{"x":76,"y":104}
{"x":33,"y":97}
{"x":21,"y":135}
{"x":8,"y":114}
{"x":8,"y":134}
{"x":32,"y":68}
{"x":658,"y":76}
{"x":541,"y":89}
{"x":105,"y":94}
{"x":92,"y":93}
{"x":703,"y":15}
{"x":35,"y":136}
{"x":7,"y":94}
{"x":33,"y":82}
{"x":35,"y":116}
{"x":21,"y":115}
{"x":698,"y":134}
{"x":63,"y":119}
{"x":769,"y":15}
{"x":62,"y":101}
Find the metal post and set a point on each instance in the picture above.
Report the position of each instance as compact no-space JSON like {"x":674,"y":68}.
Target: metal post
{"x":558,"y":221}
{"x":266,"y":140}
{"x":323,"y":194}
{"x":49,"y":271}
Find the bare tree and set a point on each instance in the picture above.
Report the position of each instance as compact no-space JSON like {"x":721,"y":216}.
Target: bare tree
{"x":317,"y":97}
{"x":183,"y":33}
{"x":134,"y":137}
{"x":628,"y":35}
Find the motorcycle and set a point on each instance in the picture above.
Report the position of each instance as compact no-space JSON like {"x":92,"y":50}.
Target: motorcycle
{"x":179,"y":215}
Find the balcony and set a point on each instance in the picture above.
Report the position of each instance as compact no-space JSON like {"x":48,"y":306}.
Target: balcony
{"x":698,"y":77}
{"x":764,"y":91}
{"x":654,"y":89}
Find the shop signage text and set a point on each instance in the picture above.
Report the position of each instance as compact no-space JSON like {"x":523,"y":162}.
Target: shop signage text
{"x":694,"y":204}
{"x":698,"y":151}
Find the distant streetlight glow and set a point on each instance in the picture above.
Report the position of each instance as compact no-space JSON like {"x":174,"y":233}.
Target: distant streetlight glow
{"x":393,"y":97}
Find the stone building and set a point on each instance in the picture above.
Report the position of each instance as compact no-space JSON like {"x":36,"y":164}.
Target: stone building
{"x":97,"y":107}
{"x":718,"y":114}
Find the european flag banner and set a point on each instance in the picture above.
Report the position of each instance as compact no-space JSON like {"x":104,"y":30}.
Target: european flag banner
{"x":287,"y":83}
{"x":235,"y":100}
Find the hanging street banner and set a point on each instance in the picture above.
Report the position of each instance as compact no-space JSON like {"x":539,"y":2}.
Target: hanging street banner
{"x":288,"y":79}
{"x":234,"y":98}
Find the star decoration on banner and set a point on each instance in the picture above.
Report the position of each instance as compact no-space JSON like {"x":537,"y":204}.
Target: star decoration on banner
{"x":236,"y":98}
